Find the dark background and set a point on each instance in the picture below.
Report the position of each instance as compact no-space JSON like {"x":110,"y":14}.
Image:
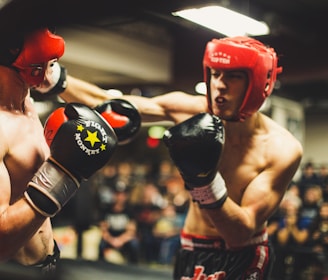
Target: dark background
{"x":298,"y":33}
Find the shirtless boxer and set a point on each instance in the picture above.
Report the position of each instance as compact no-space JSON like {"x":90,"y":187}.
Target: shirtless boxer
{"x":224,"y":235}
{"x":35,"y":181}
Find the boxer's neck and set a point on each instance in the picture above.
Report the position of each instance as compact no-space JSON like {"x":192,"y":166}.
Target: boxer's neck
{"x":245,"y":128}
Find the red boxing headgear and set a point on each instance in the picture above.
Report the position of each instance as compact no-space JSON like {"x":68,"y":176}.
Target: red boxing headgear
{"x":244,"y":53}
{"x":38,"y":49}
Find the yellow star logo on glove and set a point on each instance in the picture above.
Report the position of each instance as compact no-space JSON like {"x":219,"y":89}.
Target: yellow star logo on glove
{"x":92,"y":138}
{"x":79,"y":127}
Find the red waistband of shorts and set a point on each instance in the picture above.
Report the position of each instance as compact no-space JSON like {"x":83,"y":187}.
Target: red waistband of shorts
{"x":194,"y":241}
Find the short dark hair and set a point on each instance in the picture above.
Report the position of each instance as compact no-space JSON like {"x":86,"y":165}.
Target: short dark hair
{"x":8,"y":46}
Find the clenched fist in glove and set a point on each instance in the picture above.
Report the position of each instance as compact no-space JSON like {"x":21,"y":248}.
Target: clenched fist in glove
{"x":195,"y":147}
{"x":123,"y":117}
{"x":81,"y":142}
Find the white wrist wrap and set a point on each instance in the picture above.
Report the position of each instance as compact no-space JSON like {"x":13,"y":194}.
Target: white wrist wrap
{"x":210,"y":195}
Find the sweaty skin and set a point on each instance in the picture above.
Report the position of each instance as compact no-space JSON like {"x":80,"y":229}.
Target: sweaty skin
{"x":258,"y":161}
{"x":25,"y":235}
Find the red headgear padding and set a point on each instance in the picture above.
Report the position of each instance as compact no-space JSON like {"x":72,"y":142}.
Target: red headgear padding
{"x":244,"y":53}
{"x":39,"y":48}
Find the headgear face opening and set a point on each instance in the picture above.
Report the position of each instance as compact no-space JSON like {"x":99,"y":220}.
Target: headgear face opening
{"x":250,"y":55}
{"x":39,"y":47}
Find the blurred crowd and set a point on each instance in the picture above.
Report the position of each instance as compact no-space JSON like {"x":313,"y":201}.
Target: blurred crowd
{"x":299,"y":229}
{"x":140,"y":210}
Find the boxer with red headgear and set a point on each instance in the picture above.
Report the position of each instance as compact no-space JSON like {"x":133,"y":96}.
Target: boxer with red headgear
{"x":236,"y":162}
{"x":249,"y":55}
{"x":37,"y":180}
{"x":39,"y":47}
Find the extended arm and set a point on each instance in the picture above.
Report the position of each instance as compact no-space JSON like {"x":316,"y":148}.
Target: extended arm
{"x":174,"y":106}
{"x":81,"y":91}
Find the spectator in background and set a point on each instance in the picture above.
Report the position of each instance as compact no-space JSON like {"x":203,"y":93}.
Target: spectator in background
{"x":323,"y":181}
{"x":105,"y":181}
{"x":308,"y":178}
{"x":318,"y":240}
{"x":164,"y":173}
{"x":311,"y":203}
{"x":125,"y":172}
{"x":109,"y":174}
{"x":167,"y":232}
{"x":292,"y":196}
{"x":147,"y":203}
{"x":83,"y":212}
{"x":290,"y":237}
{"x":119,"y":229}
{"x":291,"y":200}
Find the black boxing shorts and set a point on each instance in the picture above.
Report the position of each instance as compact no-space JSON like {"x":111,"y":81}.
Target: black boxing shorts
{"x":48,"y":266}
{"x":43,"y":270}
{"x":206,"y":258}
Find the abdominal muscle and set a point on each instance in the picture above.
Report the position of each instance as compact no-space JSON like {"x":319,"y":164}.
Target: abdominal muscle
{"x":197,"y":223}
{"x":38,"y":247}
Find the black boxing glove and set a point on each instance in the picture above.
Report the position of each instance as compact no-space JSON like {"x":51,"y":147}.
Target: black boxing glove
{"x":81,"y":142}
{"x":123,"y":117}
{"x":195,"y":147}
{"x":57,"y":82}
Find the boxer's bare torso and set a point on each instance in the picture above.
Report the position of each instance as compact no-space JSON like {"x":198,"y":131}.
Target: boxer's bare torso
{"x":250,"y":165}
{"x":258,"y":161}
{"x":25,"y":236}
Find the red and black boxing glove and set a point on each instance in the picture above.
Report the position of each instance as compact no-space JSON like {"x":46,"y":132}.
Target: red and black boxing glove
{"x":81,"y":142}
{"x":123,"y":117}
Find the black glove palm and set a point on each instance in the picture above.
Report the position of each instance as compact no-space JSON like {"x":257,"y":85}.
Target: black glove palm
{"x":195,"y":146}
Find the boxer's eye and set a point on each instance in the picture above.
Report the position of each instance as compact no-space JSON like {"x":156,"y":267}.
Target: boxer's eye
{"x":36,"y":70}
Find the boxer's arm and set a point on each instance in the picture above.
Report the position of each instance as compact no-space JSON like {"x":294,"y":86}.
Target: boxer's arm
{"x":78,"y":90}
{"x":261,"y":198}
{"x":18,"y":221}
{"x":91,"y":95}
{"x":173,"y":106}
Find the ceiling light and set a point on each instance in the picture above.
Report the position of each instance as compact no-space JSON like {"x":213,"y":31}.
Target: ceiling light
{"x":224,"y":21}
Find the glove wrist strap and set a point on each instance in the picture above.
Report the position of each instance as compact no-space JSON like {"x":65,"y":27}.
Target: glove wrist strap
{"x":212,"y":195}
{"x":50,"y":189}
